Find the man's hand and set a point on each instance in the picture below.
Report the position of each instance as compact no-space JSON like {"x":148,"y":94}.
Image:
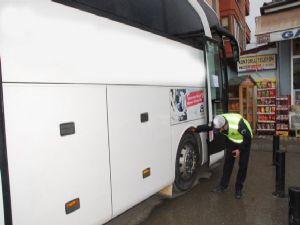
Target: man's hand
{"x":236,"y":153}
{"x":193,"y":129}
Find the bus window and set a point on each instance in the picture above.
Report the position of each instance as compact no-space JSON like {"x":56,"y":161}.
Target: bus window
{"x":216,"y":78}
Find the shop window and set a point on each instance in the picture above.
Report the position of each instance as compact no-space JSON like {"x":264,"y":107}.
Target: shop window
{"x":296,"y":80}
{"x":296,"y":47}
{"x":296,"y":72}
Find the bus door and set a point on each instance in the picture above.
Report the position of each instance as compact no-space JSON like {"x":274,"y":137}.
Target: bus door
{"x":1,"y":202}
{"x":217,"y":98}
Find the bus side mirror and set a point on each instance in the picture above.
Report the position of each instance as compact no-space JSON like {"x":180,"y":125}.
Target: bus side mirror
{"x":234,"y":43}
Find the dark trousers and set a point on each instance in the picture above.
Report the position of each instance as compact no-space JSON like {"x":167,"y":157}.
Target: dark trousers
{"x":229,"y":163}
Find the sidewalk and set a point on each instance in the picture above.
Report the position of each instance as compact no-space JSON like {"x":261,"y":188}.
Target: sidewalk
{"x":265,"y":143}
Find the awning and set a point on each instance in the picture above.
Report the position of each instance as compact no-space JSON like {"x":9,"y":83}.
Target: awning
{"x":278,"y":26}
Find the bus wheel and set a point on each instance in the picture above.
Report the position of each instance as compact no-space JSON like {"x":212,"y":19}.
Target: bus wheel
{"x":187,"y":162}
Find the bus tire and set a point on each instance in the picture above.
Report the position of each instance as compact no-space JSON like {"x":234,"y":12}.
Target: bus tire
{"x":187,"y":163}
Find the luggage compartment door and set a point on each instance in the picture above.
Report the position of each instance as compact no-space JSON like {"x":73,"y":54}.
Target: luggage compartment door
{"x":58,"y":157}
{"x":140,"y":143}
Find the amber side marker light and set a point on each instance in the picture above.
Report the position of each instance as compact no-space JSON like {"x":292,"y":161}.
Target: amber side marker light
{"x":72,"y":205}
{"x":146,"y":173}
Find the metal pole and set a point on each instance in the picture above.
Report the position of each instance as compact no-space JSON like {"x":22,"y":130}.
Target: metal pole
{"x":275,"y":147}
{"x":294,"y":205}
{"x":280,"y":175}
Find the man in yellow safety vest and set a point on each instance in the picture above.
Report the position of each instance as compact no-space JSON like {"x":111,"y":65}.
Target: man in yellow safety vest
{"x":239,"y":136}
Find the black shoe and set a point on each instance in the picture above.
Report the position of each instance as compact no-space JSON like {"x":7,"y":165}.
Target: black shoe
{"x":238,"y":194}
{"x":219,"y":189}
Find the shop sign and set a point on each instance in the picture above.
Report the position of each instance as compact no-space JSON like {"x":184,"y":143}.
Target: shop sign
{"x":285,"y":35}
{"x":257,"y":63}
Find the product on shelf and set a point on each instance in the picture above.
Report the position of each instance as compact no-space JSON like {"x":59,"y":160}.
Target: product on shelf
{"x":265,"y":126}
{"x":266,"y":101}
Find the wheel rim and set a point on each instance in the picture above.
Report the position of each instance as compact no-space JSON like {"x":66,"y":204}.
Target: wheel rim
{"x":187,"y":161}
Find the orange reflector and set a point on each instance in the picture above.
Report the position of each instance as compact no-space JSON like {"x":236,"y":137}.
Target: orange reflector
{"x":72,"y":203}
{"x":72,"y":206}
{"x":146,"y":172}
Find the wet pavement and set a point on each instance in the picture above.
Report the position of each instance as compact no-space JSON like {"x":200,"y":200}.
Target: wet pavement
{"x":202,"y":207}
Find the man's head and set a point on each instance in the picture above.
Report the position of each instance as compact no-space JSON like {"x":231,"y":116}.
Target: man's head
{"x":220,"y":123}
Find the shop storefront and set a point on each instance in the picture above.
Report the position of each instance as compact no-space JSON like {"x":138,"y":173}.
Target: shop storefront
{"x":279,"y":24}
{"x":261,"y":65}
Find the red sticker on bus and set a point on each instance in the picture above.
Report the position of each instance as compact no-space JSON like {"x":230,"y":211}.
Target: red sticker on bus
{"x":194,"y":98}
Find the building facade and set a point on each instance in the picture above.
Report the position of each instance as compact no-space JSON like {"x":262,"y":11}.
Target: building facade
{"x":279,"y":23}
{"x":215,"y":6}
{"x":233,"y":17}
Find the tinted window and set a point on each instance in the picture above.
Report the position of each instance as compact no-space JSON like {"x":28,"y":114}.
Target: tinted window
{"x":171,"y":18}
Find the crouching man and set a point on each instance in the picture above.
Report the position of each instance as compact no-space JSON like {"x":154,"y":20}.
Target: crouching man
{"x":238,"y":143}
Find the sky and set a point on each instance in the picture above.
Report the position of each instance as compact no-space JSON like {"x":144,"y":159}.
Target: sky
{"x":254,"y":12}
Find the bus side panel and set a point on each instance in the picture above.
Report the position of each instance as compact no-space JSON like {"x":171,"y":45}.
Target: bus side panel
{"x":48,"y":170}
{"x":195,"y":111}
{"x":138,"y":143}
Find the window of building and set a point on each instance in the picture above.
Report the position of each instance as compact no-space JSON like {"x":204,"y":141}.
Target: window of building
{"x":239,"y":34}
{"x":236,"y":29}
{"x":296,"y":47}
{"x":225,"y":22}
{"x":214,"y":5}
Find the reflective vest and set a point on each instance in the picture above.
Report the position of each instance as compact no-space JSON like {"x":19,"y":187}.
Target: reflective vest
{"x":233,"y":120}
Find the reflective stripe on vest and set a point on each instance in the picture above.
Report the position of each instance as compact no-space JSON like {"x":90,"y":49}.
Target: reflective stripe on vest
{"x":233,"y":120}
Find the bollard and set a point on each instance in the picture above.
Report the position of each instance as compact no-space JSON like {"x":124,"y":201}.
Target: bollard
{"x":294,"y":205}
{"x":275,"y":147}
{"x":280,"y":175}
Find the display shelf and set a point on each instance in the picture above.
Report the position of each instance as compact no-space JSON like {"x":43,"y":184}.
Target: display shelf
{"x":265,"y":97}
{"x":265,"y":89}
{"x":266,"y":106}
{"x":282,"y":116}
{"x":270,"y":113}
{"x":241,"y":99}
{"x":266,"y":121}
{"x":283,"y":98}
{"x":282,"y":109}
{"x":260,"y":129}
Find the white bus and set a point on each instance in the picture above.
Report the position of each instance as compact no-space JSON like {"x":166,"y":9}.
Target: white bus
{"x":97,"y":101}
